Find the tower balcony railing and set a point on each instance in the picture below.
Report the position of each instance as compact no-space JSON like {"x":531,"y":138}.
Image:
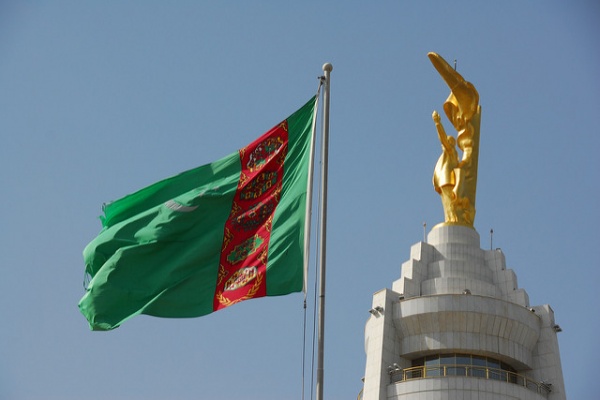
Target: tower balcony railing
{"x":440,"y":371}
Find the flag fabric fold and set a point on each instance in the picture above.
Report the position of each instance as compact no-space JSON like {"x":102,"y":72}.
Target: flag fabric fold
{"x":207,"y":238}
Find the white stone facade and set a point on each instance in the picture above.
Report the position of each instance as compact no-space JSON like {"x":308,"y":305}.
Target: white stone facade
{"x":455,"y":298}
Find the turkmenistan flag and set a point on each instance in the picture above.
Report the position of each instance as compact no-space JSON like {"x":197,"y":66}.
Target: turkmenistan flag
{"x":207,"y":238}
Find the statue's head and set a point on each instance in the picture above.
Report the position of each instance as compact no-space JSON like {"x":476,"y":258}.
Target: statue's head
{"x":461,"y":105}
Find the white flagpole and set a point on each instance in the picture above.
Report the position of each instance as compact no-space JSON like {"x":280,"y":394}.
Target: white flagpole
{"x":327,"y":68}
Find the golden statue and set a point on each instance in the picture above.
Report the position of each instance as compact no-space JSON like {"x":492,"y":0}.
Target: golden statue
{"x":454,"y":180}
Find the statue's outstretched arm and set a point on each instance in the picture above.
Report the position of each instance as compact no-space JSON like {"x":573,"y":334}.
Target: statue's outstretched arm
{"x":441,"y":131}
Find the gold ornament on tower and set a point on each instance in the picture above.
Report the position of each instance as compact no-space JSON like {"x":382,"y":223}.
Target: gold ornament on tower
{"x":453,"y":178}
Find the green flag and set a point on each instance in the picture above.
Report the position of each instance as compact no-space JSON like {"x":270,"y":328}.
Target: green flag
{"x":207,"y":238}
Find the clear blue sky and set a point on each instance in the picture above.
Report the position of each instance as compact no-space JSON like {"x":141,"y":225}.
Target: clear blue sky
{"x":98,"y":99}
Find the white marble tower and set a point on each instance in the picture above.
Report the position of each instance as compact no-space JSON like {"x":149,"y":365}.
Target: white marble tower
{"x":457,"y":326}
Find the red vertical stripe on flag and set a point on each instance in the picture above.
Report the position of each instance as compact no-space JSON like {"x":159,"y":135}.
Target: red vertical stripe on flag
{"x":243,"y":262}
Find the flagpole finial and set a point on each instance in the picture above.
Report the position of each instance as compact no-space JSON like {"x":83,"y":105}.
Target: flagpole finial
{"x":327,"y":67}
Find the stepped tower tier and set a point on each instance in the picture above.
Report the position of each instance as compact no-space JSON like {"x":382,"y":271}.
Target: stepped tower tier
{"x":456,"y":326}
